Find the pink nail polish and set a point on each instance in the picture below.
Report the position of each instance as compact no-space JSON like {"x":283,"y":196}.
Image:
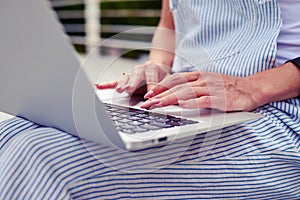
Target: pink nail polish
{"x":150,"y":103}
{"x":149,"y":94}
{"x":181,"y":103}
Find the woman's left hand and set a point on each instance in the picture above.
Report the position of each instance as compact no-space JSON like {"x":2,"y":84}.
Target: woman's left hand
{"x":204,"y":90}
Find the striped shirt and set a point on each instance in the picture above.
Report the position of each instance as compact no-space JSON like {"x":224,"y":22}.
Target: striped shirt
{"x":255,"y":160}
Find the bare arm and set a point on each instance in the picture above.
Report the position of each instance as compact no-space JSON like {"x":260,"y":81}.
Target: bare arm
{"x":160,"y":59}
{"x":163,"y":42}
{"x":277,"y":84}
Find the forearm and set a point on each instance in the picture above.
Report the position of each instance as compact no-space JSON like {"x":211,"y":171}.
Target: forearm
{"x":163,"y":42}
{"x":277,"y":84}
{"x":162,"y":51}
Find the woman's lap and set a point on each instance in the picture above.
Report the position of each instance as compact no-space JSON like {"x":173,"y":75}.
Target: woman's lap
{"x":44,"y":163}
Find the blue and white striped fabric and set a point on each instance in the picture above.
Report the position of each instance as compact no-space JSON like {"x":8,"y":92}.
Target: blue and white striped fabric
{"x":250,"y":162}
{"x":255,"y":160}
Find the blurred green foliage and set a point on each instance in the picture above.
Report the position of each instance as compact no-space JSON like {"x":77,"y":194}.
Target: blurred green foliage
{"x":114,"y":13}
{"x":125,"y":4}
{"x":132,"y":14}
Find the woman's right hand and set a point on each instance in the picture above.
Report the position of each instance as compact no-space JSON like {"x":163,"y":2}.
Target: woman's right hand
{"x":148,"y":74}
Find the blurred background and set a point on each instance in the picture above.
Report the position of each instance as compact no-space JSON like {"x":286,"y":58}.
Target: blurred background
{"x":89,"y":22}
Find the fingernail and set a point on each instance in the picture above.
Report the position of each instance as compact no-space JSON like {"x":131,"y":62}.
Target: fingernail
{"x":129,"y":88}
{"x":150,"y":103}
{"x":100,"y":87}
{"x":181,"y":102}
{"x":149,"y":94}
{"x":119,"y":89}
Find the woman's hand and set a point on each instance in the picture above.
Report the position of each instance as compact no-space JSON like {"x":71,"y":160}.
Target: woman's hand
{"x":226,"y":93}
{"x":204,"y":90}
{"x":148,"y":73}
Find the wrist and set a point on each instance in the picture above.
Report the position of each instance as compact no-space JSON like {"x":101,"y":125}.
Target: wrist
{"x":161,"y":62}
{"x":276,"y":84}
{"x":259,"y":90}
{"x":161,"y":57}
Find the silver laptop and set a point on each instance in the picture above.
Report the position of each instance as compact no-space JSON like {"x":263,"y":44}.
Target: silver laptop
{"x":41,"y":80}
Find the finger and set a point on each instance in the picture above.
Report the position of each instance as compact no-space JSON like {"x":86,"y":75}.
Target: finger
{"x":182,"y":92}
{"x":150,"y":103}
{"x":167,"y":100}
{"x":121,"y":83}
{"x":135,"y":80}
{"x":174,"y":80}
{"x":167,"y":97}
{"x":201,"y":102}
{"x":172,"y":97}
{"x":213,"y":102}
{"x":151,"y":75}
{"x":185,"y":91}
{"x":108,"y":85}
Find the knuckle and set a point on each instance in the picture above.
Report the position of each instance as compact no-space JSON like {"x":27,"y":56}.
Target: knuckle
{"x":138,"y":67}
{"x":201,"y":82}
{"x":175,"y":77}
{"x":188,"y":95}
{"x":168,"y":100}
{"x":149,"y":62}
{"x":192,"y":94}
{"x":207,"y":101}
{"x":177,"y":88}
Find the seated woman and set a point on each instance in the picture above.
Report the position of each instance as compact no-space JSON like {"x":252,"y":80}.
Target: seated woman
{"x":228,"y":55}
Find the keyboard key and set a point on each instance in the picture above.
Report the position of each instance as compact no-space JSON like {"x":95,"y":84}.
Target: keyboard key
{"x":124,"y":120}
{"x":139,"y":111}
{"x":135,"y":123}
{"x":116,"y":118}
{"x":144,"y":120}
{"x":174,"y":119}
{"x":113,"y":114}
{"x":149,"y":127}
{"x":139,"y":129}
{"x":163,"y":125}
{"x":127,"y":126}
{"x":162,"y":120}
{"x":134,"y":118}
{"x":129,"y":131}
{"x":172,"y":123}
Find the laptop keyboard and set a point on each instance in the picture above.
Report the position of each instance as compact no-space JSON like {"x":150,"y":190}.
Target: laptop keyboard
{"x":131,"y":120}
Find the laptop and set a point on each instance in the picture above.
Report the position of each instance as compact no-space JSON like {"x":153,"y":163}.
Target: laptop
{"x":41,"y":80}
